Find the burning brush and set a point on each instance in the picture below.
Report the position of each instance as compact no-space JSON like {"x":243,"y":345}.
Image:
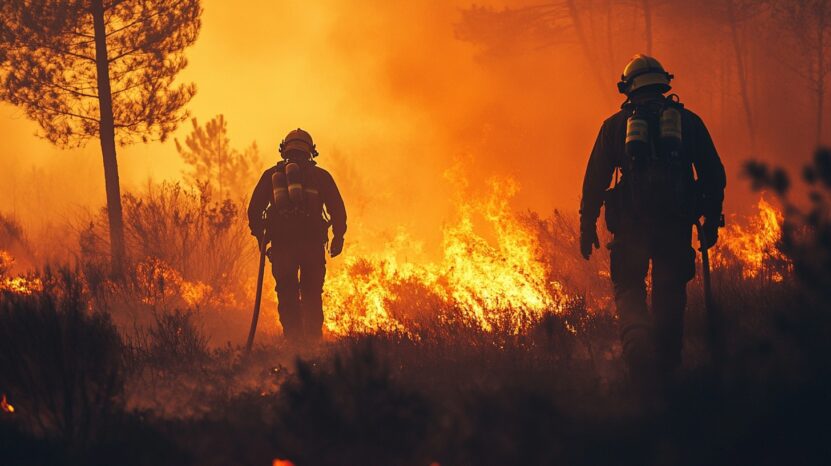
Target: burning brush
{"x":753,"y":245}
{"x":22,"y":285}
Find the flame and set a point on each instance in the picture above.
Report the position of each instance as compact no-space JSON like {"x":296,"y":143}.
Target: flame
{"x":279,"y":462}
{"x":6,"y":261}
{"x":500,"y":284}
{"x":158,"y":282}
{"x":755,"y":246}
{"x":5,"y":406}
{"x":23,"y":285}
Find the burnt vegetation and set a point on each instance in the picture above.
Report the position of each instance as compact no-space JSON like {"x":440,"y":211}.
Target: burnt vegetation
{"x":147,"y":369}
{"x":157,"y":388}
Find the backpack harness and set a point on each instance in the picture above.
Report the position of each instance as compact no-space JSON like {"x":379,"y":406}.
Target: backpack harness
{"x":659,"y":179}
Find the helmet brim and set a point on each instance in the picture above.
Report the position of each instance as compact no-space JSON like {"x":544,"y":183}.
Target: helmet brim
{"x":297,"y":146}
{"x":650,"y":79}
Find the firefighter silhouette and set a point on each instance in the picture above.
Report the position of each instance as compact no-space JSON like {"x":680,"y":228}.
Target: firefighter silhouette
{"x":666,"y":174}
{"x":301,"y":201}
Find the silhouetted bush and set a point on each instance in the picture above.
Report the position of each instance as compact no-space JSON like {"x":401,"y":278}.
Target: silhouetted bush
{"x":351,"y":413}
{"x":806,"y":231}
{"x":13,"y":240}
{"x":175,"y":338}
{"x":447,"y":391}
{"x":60,"y":362}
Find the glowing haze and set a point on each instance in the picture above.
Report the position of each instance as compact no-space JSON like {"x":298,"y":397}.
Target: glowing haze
{"x":393,"y":98}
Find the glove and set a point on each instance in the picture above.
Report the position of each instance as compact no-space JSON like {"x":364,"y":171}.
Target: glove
{"x":588,"y":238}
{"x":257,"y":230}
{"x":710,"y":231}
{"x":336,"y":246}
{"x":260,"y":240}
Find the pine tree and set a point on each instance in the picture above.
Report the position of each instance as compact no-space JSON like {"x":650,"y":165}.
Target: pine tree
{"x":213,"y":162}
{"x":101,"y":69}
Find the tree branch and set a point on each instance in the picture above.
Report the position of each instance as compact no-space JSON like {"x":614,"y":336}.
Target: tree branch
{"x":138,"y":20}
{"x":86,"y":36}
{"x":142,"y":19}
{"x":66,"y":52}
{"x":127,"y":125}
{"x":125,"y":89}
{"x":113,"y":4}
{"x":124,"y":54}
{"x":70,"y":90}
{"x":66,"y":113}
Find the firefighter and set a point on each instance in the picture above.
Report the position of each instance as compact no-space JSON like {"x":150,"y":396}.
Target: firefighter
{"x":665,"y":175}
{"x":302,"y":201}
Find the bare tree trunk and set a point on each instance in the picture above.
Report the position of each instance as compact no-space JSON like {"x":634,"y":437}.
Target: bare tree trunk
{"x":740,"y":67}
{"x":821,"y":25}
{"x":588,"y":52}
{"x":107,"y":135}
{"x":820,"y":102}
{"x":647,"y":24}
{"x":610,"y":40}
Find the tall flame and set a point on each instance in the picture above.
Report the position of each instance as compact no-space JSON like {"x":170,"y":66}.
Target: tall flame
{"x":486,"y":284}
{"x":755,"y":246}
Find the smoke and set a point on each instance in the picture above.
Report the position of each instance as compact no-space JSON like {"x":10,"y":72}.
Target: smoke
{"x":396,"y":102}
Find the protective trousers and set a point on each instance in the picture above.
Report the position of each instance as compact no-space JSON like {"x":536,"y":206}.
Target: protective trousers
{"x":652,"y":343}
{"x":299,"y":269}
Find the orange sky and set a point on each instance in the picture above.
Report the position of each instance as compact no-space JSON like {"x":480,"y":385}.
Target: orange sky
{"x":392,"y":98}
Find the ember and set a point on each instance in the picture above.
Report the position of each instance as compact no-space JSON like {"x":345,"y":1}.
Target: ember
{"x":5,"y":406}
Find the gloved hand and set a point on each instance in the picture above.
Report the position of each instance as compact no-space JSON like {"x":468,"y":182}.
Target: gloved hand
{"x":710,"y":232}
{"x":259,"y":234}
{"x":588,"y":238}
{"x":257,"y":229}
{"x":336,"y":246}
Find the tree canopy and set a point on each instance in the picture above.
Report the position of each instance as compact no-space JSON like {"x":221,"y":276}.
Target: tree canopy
{"x":48,"y":65}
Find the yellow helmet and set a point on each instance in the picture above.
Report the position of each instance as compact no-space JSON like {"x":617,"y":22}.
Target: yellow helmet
{"x":298,"y":140}
{"x":643,"y":71}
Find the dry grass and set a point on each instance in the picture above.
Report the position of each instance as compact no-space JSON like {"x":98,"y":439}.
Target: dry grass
{"x":158,"y":391}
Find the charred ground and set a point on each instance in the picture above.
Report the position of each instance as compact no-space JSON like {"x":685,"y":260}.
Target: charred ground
{"x":158,"y":387}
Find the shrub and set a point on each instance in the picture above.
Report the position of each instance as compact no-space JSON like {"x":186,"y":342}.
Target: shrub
{"x":351,"y":413}
{"x":174,"y":339}
{"x":806,"y":230}
{"x":60,"y":363}
{"x":204,"y":240}
{"x":13,"y":240}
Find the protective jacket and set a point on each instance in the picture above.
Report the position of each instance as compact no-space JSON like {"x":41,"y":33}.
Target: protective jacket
{"x":312,"y":225}
{"x":697,"y":151}
{"x":650,"y":211}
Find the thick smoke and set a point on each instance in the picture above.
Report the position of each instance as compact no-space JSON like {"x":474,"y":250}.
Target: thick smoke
{"x":396,"y":100}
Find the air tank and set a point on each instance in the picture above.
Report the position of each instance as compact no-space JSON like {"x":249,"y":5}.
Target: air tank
{"x":671,"y":128}
{"x":280,"y":190}
{"x":295,"y":183}
{"x":637,"y":138}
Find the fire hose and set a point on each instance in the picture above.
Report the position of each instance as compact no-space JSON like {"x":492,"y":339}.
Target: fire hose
{"x":263,"y":244}
{"x":710,"y":306}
